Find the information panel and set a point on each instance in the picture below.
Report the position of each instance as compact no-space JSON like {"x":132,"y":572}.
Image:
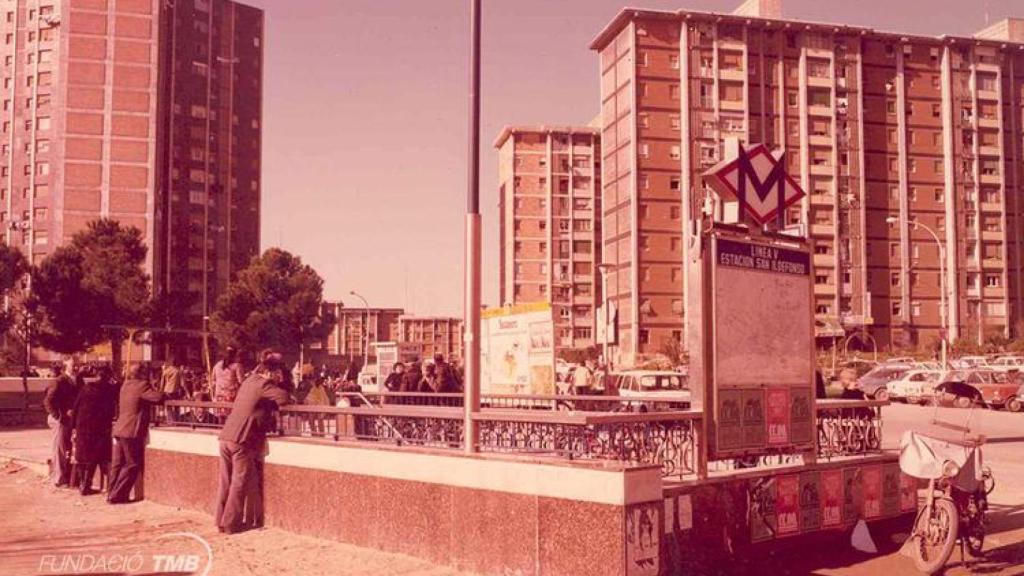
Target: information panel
{"x":762,"y":345}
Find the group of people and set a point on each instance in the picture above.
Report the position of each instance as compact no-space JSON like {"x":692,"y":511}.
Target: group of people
{"x":99,"y":423}
{"x":583,"y":380}
{"x":437,"y":377}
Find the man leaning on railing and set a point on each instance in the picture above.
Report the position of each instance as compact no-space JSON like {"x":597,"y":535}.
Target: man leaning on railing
{"x":244,"y":435}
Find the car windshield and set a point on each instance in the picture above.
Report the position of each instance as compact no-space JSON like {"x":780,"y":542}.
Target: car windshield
{"x":661,"y":382}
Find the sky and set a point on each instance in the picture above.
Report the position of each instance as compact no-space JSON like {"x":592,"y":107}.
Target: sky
{"x":365,"y":121}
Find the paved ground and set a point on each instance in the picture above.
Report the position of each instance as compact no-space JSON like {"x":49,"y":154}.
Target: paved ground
{"x":39,"y":523}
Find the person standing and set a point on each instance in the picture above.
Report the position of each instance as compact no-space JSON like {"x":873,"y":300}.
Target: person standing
{"x":582,"y":380}
{"x":227,"y":378}
{"x":243,"y":437}
{"x":411,"y":378}
{"x":94,"y":413}
{"x":59,"y":401}
{"x":428,"y":383}
{"x":393,"y":383}
{"x":135,"y":402}
{"x":446,"y":382}
{"x":172,"y":380}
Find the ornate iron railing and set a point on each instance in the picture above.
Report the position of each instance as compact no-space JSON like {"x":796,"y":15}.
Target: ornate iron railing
{"x":560,"y":402}
{"x":849,"y":427}
{"x":668,"y":439}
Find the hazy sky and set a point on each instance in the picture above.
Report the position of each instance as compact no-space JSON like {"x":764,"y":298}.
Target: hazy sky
{"x":365,"y":122}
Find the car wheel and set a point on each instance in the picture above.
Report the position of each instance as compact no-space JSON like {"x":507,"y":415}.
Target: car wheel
{"x":913,"y":400}
{"x":963,"y":402}
{"x":1013,"y":405}
{"x":881,"y":394}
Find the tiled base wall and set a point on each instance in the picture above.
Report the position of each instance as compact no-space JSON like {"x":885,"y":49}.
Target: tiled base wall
{"x":477,"y":530}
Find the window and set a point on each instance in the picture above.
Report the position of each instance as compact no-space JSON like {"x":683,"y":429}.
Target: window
{"x":674,"y":152}
{"x":673,"y":183}
{"x":643,"y":120}
{"x":992,"y":280}
{"x":645,"y":150}
{"x":894,"y":279}
{"x":915,"y":308}
{"x":673,"y":91}
{"x":674,"y":121}
{"x":645,"y":336}
{"x":641,"y":59}
{"x":673,"y":60}
{"x":897,"y":309}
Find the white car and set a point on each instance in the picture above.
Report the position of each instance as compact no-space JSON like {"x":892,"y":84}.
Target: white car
{"x":1007,"y":364}
{"x":653,"y":390}
{"x":915,"y":386}
{"x":968,"y":362}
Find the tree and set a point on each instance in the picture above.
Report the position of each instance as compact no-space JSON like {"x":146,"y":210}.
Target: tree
{"x":13,"y":268}
{"x":89,"y":286}
{"x":274,"y":302}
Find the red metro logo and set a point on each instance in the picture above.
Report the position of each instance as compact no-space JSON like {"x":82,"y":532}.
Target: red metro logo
{"x":757,"y":179}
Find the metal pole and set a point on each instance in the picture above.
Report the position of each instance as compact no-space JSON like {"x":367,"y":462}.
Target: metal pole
{"x":471,"y":401}
{"x":944,"y":319}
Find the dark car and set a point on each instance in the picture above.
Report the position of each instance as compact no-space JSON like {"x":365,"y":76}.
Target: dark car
{"x":873,"y":383}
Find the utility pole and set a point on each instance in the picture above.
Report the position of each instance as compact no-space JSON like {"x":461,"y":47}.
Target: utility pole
{"x":471,"y":402}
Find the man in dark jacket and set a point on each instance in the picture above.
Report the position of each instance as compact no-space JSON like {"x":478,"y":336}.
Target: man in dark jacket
{"x":94,"y":415}
{"x":60,"y":399}
{"x":446,"y":382}
{"x":135,"y":402}
{"x":243,"y":436}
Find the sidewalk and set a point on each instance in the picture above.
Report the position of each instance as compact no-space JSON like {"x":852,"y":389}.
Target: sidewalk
{"x":45,"y":530}
{"x":29,"y":447}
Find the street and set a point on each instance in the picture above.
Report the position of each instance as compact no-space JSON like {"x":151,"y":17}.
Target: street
{"x":43,"y":520}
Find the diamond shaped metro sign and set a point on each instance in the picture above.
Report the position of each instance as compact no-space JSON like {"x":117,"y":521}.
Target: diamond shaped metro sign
{"x":757,"y":179}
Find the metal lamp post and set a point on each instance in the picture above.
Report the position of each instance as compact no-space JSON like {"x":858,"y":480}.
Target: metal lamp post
{"x":471,"y":402}
{"x":366,"y":327}
{"x":942,"y":283}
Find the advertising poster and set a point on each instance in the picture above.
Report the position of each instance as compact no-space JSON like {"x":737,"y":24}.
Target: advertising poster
{"x":810,"y":501}
{"x":778,"y":416}
{"x":831,"y":497}
{"x":642,"y":539}
{"x":787,"y":504}
{"x":801,"y":422}
{"x":871,"y":485}
{"x":851,"y":495}
{"x":891,"y":489}
{"x":517,"y":350}
{"x":763,"y":523}
{"x":754,"y":435}
{"x":908,"y":492}
{"x":730,"y":422}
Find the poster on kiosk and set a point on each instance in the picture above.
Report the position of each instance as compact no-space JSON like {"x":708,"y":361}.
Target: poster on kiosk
{"x":752,"y":327}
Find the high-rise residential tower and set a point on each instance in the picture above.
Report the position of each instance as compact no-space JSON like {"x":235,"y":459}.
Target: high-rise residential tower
{"x":550,"y":229}
{"x":893,"y":136}
{"x":140,"y":110}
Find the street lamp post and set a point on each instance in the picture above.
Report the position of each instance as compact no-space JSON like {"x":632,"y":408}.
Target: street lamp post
{"x":366,"y":327}
{"x":471,"y":401}
{"x":942,"y":283}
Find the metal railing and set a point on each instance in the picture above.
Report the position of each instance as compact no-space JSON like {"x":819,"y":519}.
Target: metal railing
{"x":560,"y":402}
{"x":668,"y":439}
{"x":849,"y":427}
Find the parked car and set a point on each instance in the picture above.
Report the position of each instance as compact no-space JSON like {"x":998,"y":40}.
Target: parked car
{"x":915,"y":386}
{"x":1007,"y":363}
{"x":659,"y":390}
{"x":858,"y":366}
{"x":990,"y":388}
{"x":969,"y":362}
{"x":900,"y":360}
{"x":873,"y":384}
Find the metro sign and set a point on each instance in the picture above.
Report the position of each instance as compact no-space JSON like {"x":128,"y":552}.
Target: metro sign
{"x":757,"y":179}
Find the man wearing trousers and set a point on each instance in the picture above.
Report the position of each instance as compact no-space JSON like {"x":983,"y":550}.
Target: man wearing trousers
{"x":137,"y":397}
{"x":243,"y":437}
{"x":59,"y":400}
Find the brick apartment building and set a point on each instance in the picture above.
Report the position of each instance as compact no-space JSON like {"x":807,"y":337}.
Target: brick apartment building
{"x":139,"y":110}
{"x":550,"y":232}
{"x":434,"y":334}
{"x":876,"y":126}
{"x":356,"y":331}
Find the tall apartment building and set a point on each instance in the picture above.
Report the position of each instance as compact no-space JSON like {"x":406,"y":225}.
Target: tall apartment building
{"x":140,"y":110}
{"x":434,"y":334}
{"x":878,"y":127}
{"x":550,"y":230}
{"x":355,"y":332}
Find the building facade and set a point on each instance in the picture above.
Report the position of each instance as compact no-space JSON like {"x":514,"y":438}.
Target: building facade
{"x":433,"y":334}
{"x":892,"y":136}
{"x":550,"y":229}
{"x":355,"y":332}
{"x":143,"y":111}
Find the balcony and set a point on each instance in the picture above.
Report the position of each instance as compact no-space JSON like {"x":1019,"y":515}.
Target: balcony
{"x":821,"y":169}
{"x":824,"y":289}
{"x":734,"y":74}
{"x":824,"y":260}
{"x":732,"y":105}
{"x":988,"y":95}
{"x":820,"y":140}
{"x":819,"y":81}
{"x":828,"y":230}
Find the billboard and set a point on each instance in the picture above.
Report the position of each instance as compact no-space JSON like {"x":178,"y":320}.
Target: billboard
{"x":517,"y":350}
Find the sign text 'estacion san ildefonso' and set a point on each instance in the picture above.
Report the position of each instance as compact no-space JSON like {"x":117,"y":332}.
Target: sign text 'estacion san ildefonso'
{"x":765,"y":258}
